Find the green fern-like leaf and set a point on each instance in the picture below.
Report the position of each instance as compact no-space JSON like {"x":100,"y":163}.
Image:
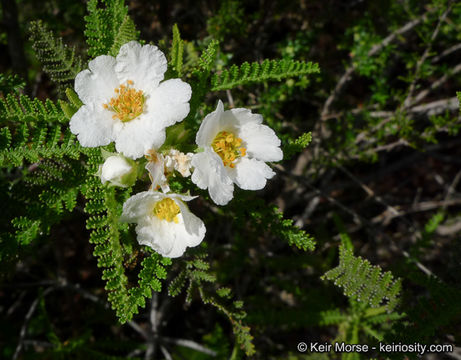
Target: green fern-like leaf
{"x":296,"y":146}
{"x":176,"y":52}
{"x":235,"y":315}
{"x":108,"y":27}
{"x":196,"y":273}
{"x":270,"y":218}
{"x":361,"y":280}
{"x":208,"y":57}
{"x":58,"y":60}
{"x":11,"y":84}
{"x":126,"y":32}
{"x":104,"y":211}
{"x":32,"y":131}
{"x":48,"y":190}
{"x":267,"y":70}
{"x":200,"y":81}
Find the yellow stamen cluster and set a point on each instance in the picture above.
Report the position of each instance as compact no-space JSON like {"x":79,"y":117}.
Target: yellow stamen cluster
{"x":167,"y":209}
{"x":128,"y":104}
{"x":227,"y":146}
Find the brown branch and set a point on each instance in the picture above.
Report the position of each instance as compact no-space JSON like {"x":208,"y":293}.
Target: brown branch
{"x":446,"y":52}
{"x":436,"y":84}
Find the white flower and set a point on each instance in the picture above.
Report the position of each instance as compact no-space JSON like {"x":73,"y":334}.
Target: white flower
{"x":164,"y":222}
{"x":124,"y":101}
{"x":118,"y":171}
{"x":235,"y":148}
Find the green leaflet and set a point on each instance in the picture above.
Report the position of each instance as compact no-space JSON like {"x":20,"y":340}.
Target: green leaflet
{"x":104,"y":207}
{"x":108,"y":28}
{"x":195,"y":273}
{"x":126,"y":32}
{"x":270,"y":218}
{"x":267,"y":70}
{"x":32,"y":131}
{"x":10,"y":84}
{"x":59,"y":61}
{"x":176,"y":51}
{"x":363,"y":281}
{"x":200,"y":79}
{"x":297,"y":145}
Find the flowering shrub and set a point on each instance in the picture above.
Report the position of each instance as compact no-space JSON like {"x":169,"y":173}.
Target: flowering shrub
{"x":199,"y":177}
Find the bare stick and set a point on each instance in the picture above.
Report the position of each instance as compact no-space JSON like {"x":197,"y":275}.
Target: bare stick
{"x":152,"y":338}
{"x":446,"y":52}
{"x":230,"y":99}
{"x":190,"y":344}
{"x":166,"y":353}
{"x":29,"y":315}
{"x":436,"y":84}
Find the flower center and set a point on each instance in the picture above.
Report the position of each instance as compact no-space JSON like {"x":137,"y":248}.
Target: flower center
{"x":167,"y":209}
{"x":128,"y":104}
{"x":227,"y":146}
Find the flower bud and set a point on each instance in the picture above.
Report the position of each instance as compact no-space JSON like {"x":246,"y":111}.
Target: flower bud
{"x":118,"y":171}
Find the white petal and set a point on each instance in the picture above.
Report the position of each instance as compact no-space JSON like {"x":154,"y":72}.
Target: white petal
{"x":156,"y":170}
{"x":209,"y":173}
{"x":192,"y":224}
{"x":168,"y":103}
{"x":137,"y":136}
{"x":261,"y":142}
{"x":241,"y":116}
{"x":139,"y":206}
{"x":97,"y":85}
{"x":251,"y":174}
{"x":169,"y":239}
{"x":93,"y":128}
{"x":185,"y":239}
{"x":210,"y":126}
{"x":160,"y":235}
{"x":183,"y":197}
{"x":145,"y":65}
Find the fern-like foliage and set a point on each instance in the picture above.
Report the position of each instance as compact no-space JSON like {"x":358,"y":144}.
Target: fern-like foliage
{"x":125,"y":33}
{"x":363,"y":281}
{"x":48,"y":191}
{"x":270,"y":218}
{"x":176,"y":51}
{"x":296,"y":146}
{"x":267,"y":70}
{"x":195,"y":274}
{"x":32,"y":131}
{"x":104,"y":206}
{"x":11,"y":84}
{"x":59,"y":61}
{"x":108,"y":27}
{"x":199,"y":83}
{"x":33,"y":138}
